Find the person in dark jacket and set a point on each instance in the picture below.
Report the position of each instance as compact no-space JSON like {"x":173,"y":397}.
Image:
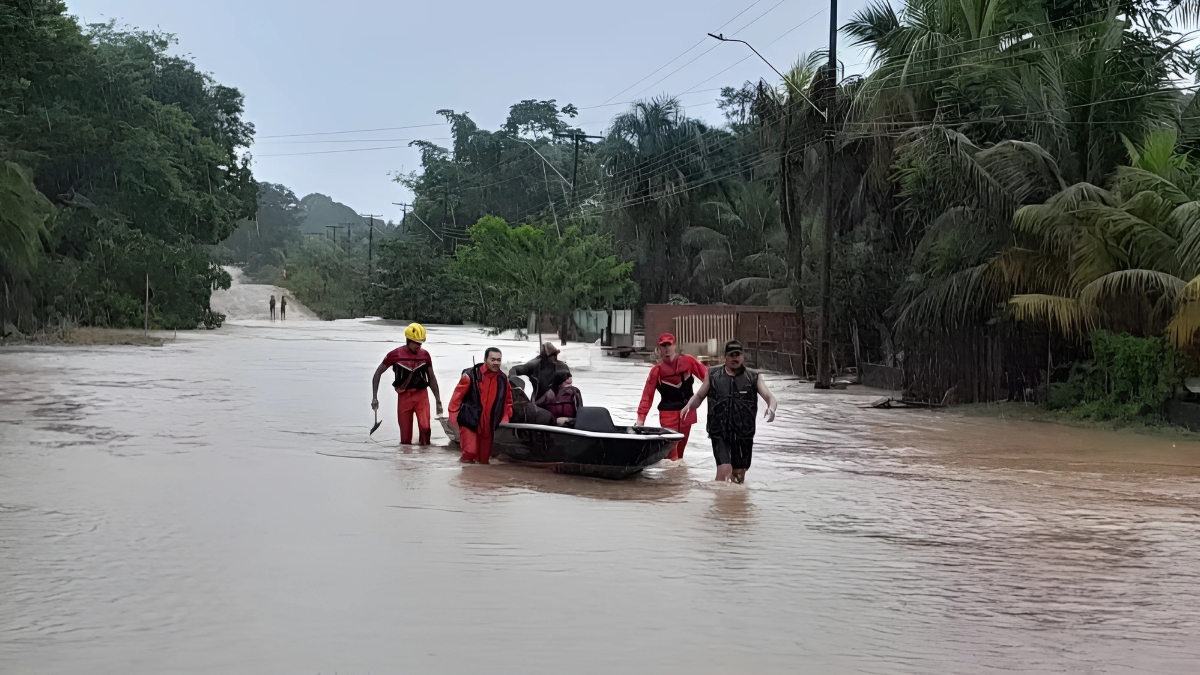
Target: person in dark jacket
{"x":541,"y":370}
{"x":482,"y":401}
{"x":524,"y":410}
{"x":733,"y":391}
{"x":562,"y":399}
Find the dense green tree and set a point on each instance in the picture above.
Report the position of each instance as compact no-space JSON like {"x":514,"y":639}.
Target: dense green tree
{"x":533,"y":269}
{"x":144,"y":154}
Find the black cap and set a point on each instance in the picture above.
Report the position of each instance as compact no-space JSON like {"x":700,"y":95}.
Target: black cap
{"x":733,"y":346}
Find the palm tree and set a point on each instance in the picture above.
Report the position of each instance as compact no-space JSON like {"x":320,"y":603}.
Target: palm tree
{"x":1125,"y":259}
{"x":654,"y":155}
{"x":790,"y":124}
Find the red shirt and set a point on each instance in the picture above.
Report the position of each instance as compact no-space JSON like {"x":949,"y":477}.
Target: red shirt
{"x":404,"y":361}
{"x":673,"y":373}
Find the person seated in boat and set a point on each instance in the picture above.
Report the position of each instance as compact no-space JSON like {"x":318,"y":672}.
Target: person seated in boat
{"x":524,"y":410}
{"x":562,"y":399}
{"x":541,"y":370}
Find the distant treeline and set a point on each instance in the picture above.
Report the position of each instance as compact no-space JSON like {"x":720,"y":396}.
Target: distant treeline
{"x":497,"y":277}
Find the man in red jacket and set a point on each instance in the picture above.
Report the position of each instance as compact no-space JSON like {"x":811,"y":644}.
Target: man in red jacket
{"x":481,"y":402}
{"x":673,"y":378}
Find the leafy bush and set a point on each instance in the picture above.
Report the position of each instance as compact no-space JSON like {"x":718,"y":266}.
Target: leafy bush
{"x":1127,"y":378}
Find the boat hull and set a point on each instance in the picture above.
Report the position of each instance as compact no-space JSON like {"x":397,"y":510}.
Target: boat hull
{"x":615,"y":455}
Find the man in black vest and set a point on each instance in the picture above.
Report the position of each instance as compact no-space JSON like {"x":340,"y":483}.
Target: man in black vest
{"x":732,"y":391}
{"x":481,"y":402}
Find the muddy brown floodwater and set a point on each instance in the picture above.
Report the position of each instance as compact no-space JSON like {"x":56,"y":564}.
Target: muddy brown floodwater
{"x":216,"y":505}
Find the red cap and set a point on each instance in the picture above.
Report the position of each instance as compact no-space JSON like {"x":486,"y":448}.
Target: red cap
{"x":666,"y":339}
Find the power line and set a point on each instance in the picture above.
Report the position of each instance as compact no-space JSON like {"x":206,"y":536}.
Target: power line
{"x":657,"y":82}
{"x":357,"y":131}
{"x":330,"y":152}
{"x":685,"y":52}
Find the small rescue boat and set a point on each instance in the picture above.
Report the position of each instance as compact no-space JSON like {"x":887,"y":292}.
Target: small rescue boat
{"x":593,"y":447}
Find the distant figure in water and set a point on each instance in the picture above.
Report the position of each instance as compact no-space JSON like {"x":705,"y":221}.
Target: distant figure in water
{"x":482,"y":401}
{"x":732,"y":391}
{"x":282,"y":307}
{"x":272,"y":306}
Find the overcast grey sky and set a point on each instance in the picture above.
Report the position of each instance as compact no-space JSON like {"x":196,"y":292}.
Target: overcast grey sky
{"x":308,"y":67}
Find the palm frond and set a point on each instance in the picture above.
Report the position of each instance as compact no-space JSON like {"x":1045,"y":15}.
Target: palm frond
{"x":705,"y":238}
{"x":1184,"y":225}
{"x":1124,"y":284}
{"x":1031,"y":270}
{"x":1066,"y":315}
{"x":1131,"y":180}
{"x":1024,"y":169}
{"x":952,"y":301}
{"x":1181,"y":331}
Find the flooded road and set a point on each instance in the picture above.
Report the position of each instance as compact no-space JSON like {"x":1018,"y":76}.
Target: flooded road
{"x":216,"y":505}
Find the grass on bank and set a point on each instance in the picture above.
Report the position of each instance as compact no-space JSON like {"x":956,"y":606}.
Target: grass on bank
{"x":1033,"y":412}
{"x":86,"y":337}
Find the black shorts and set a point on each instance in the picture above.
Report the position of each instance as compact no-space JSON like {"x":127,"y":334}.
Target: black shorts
{"x":735,"y":451}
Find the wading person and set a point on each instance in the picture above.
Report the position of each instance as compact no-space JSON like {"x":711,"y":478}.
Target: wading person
{"x":272,"y":303}
{"x":481,"y":402}
{"x":413,"y":369}
{"x":282,"y":307}
{"x":673,"y":377}
{"x":541,"y":369}
{"x":732,"y":391}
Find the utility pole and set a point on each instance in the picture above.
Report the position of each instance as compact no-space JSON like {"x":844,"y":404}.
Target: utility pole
{"x":349,"y":229}
{"x":575,"y":137}
{"x":403,"y":217}
{"x":824,"y":334}
{"x":370,"y":240}
{"x":829,"y":91}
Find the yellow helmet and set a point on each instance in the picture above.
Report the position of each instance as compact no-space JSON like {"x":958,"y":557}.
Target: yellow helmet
{"x":415,"y":332}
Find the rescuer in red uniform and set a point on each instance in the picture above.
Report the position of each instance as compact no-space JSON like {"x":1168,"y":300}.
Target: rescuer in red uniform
{"x":673,"y":377}
{"x":413,"y":367}
{"x":480,"y":403}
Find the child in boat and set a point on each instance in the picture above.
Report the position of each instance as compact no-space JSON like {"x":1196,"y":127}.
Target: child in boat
{"x":562,"y":399}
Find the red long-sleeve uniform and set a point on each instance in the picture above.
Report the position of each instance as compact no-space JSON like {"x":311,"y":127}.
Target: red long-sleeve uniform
{"x":672,"y":373}
{"x":477,"y":446}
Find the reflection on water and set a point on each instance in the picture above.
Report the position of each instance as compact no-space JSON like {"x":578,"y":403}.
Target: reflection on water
{"x":206,"y":507}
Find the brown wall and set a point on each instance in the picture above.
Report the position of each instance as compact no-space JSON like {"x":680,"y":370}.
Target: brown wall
{"x":771,"y":328}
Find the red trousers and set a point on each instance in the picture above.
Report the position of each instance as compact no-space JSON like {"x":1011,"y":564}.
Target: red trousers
{"x":669,"y":419}
{"x":408,"y":403}
{"x":475,"y":447}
